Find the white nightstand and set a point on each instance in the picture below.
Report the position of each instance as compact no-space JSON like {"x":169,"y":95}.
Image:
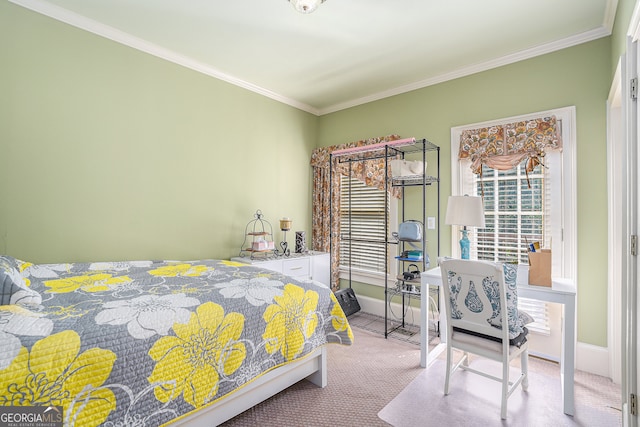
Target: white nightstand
{"x":310,"y":266}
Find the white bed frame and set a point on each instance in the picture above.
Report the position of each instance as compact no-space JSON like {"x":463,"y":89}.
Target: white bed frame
{"x":313,"y":367}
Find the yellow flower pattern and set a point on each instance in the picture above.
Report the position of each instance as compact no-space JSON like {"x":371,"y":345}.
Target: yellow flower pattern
{"x":65,"y":354}
{"x":339,"y":319}
{"x":66,"y":312}
{"x":22,"y":266}
{"x":90,"y":283}
{"x":175,"y":270}
{"x":290,"y":321}
{"x":233,"y":263}
{"x":56,"y":373}
{"x":191,"y":362}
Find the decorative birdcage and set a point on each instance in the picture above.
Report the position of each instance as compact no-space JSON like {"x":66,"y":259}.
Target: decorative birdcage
{"x":258,"y":239}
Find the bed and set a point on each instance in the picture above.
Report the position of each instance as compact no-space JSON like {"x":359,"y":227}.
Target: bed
{"x":159,"y":342}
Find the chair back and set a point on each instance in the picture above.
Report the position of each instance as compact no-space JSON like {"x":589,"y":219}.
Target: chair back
{"x":475,"y":296}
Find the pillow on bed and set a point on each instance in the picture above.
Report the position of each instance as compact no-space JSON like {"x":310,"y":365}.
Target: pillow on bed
{"x":14,"y":288}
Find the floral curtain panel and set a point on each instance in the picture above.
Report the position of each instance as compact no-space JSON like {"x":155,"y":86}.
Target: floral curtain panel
{"x":504,"y":146}
{"x":371,"y":172}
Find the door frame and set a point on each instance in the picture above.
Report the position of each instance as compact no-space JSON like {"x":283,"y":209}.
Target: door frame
{"x":615,"y":181}
{"x":627,"y":215}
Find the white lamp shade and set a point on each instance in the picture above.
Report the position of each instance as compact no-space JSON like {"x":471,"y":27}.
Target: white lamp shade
{"x":465,"y":210}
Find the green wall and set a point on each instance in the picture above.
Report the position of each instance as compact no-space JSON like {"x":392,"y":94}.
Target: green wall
{"x":109,"y":153}
{"x":577,"y":76}
{"x":624,"y":11}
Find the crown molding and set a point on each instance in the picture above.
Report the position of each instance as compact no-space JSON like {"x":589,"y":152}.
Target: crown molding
{"x":477,"y":68}
{"x":610,"y":15}
{"x":634,"y":23}
{"x":95,"y":27}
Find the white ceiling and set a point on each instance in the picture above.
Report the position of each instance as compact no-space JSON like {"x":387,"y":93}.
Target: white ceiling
{"x":345,"y":53}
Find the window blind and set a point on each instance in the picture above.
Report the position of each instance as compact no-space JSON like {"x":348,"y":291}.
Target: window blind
{"x":516,"y":213}
{"x":362,"y":226}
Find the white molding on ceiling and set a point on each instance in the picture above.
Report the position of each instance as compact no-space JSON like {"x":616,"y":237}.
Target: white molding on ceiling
{"x":95,"y":27}
{"x":634,"y":23}
{"x":477,"y":68}
{"x":610,"y":14}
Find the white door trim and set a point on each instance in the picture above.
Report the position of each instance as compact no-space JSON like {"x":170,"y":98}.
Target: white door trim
{"x":615,"y":157}
{"x":630,"y":325}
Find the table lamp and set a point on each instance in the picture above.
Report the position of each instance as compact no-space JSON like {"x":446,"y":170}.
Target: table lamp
{"x":467,"y":211}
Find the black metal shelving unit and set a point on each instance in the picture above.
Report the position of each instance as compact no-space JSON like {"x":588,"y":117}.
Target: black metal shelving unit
{"x":419,"y":149}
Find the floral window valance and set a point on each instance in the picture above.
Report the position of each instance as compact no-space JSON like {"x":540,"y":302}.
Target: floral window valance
{"x":371,"y":172}
{"x":504,"y":146}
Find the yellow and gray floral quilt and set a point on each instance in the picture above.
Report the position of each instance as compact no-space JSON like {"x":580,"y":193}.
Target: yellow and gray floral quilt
{"x":146,"y":342}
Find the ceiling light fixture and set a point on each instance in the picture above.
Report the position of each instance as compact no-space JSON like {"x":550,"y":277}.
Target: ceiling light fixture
{"x":306,"y":6}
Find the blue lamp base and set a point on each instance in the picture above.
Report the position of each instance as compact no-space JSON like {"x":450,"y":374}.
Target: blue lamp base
{"x":464,"y":245}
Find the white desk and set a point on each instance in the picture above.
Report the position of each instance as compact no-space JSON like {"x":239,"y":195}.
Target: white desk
{"x":562,"y":291}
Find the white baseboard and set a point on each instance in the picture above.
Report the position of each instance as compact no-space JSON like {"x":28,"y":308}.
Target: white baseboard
{"x":593,"y":359}
{"x":589,"y":358}
{"x":376,"y":306}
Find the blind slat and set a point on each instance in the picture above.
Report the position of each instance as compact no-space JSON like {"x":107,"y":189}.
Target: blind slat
{"x":362,"y":226}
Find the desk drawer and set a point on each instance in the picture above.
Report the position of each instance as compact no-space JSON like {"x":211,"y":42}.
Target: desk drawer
{"x":296,"y":267}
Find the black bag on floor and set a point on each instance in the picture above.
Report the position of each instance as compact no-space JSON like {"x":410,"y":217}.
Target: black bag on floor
{"x":348,"y":301}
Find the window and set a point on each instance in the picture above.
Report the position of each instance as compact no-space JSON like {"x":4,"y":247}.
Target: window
{"x":521,"y":208}
{"x":362,"y":216}
{"x":515,"y":209}
{"x":516,"y":206}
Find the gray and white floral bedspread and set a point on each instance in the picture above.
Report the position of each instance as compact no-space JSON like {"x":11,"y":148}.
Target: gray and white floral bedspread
{"x":146,"y":342}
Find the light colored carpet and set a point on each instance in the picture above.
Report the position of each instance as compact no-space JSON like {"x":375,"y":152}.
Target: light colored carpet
{"x":362,"y":379}
{"x":474,"y":400}
{"x":365,"y":377}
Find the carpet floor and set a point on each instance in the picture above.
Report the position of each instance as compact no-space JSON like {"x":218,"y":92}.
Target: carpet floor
{"x":367,"y":376}
{"x":362,"y":379}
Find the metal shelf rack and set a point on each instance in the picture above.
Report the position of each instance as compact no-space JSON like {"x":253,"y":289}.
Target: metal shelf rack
{"x":415,"y":149}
